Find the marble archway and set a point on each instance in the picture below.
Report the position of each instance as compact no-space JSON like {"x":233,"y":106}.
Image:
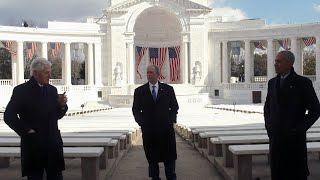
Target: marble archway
{"x":156,"y":27}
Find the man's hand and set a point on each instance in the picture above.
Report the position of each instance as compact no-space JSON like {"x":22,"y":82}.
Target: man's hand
{"x":63,"y":99}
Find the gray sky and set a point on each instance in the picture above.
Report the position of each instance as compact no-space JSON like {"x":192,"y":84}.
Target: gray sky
{"x":13,"y":12}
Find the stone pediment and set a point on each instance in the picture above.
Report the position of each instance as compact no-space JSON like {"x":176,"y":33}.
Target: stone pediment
{"x":189,"y":5}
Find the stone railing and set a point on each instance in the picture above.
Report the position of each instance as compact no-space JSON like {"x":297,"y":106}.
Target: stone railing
{"x":244,"y":86}
{"x":260,"y":79}
{"x":56,"y":81}
{"x":51,"y":81}
{"x":5,"y":82}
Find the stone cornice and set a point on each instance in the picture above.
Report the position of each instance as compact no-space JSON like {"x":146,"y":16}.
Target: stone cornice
{"x":186,"y":3}
{"x":44,"y":31}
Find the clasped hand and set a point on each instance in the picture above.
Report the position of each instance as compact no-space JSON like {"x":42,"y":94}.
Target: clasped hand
{"x":63,"y":99}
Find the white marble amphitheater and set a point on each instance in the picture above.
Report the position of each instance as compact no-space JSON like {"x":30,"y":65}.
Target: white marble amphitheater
{"x":192,"y":47}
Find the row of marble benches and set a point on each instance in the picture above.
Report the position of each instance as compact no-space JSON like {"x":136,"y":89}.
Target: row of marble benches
{"x":93,"y":148}
{"x":237,"y":144}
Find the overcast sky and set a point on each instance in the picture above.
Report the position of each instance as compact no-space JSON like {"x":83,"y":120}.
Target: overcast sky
{"x":13,"y":12}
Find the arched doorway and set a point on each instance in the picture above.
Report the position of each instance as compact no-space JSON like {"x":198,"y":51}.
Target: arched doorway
{"x":158,"y":36}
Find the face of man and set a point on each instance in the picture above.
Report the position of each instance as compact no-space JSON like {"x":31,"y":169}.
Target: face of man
{"x":282,"y":65}
{"x":43,"y":76}
{"x":152,"y":75}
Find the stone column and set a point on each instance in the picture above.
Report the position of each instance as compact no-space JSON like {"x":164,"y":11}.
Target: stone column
{"x":318,"y":58}
{"x":184,"y":73}
{"x":294,"y":49}
{"x":67,"y":65}
{"x":247,"y":62}
{"x":225,"y":71}
{"x":44,"y":50}
{"x":270,"y":59}
{"x":97,"y":64}
{"x":90,"y":64}
{"x":20,"y":63}
{"x":131,"y":63}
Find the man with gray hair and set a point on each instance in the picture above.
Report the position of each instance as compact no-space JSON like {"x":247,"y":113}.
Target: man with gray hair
{"x":33,"y":113}
{"x":289,"y":96}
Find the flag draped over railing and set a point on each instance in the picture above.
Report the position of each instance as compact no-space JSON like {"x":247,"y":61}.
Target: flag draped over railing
{"x":309,"y":41}
{"x":31,"y":50}
{"x":258,"y":44}
{"x":140,"y":51}
{"x":8,"y":46}
{"x":55,"y":48}
{"x":284,"y":43}
{"x":157,"y":57}
{"x":174,"y":60}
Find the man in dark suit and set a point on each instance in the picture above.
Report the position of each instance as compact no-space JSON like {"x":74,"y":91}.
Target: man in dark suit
{"x":289,"y":96}
{"x":155,"y":109}
{"x":33,"y":113}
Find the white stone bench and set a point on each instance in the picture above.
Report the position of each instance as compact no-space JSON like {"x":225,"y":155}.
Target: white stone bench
{"x":81,"y":142}
{"x":195,"y":132}
{"x":226,"y":141}
{"x":242,"y":157}
{"x":205,"y":137}
{"x":114,"y":146}
{"x":89,"y":159}
{"x":119,"y":136}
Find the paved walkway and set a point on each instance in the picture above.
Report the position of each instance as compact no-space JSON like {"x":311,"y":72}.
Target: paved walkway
{"x":189,"y":166}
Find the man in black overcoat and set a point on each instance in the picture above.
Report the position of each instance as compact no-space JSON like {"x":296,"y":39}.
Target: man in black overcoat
{"x":289,"y":97}
{"x":155,"y":109}
{"x":33,"y":113}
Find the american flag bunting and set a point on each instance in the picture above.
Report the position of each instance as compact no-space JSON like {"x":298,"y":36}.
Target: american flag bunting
{"x":157,"y":57}
{"x":174,"y":60}
{"x":55,"y":48}
{"x":8,"y":46}
{"x":31,"y":50}
{"x":284,"y":44}
{"x":258,"y":44}
{"x":140,"y":51}
{"x":309,"y":41}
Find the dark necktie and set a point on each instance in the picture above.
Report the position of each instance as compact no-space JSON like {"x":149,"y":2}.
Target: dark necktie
{"x":154,"y":95}
{"x":43,"y":90}
{"x":281,"y":81}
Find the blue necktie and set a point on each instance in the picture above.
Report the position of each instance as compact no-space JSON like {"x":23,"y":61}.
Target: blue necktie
{"x":154,"y":95}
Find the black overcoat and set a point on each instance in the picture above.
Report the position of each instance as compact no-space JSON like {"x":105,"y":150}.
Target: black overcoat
{"x":156,"y":119}
{"x":30,"y":109}
{"x":287,"y":122}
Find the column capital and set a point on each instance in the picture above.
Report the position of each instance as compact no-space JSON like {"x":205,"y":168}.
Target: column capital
{"x":270,"y":40}
{"x":66,"y":43}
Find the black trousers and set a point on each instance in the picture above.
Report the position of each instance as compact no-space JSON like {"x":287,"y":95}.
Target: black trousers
{"x":38,"y":175}
{"x":170,"y":170}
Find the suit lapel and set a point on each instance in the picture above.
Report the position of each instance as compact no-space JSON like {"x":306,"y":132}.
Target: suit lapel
{"x":147,"y":91}
{"x":160,"y":92}
{"x":276,"y":89}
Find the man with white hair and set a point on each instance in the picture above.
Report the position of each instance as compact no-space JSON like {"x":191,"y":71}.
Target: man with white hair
{"x":33,"y":113}
{"x":289,"y":97}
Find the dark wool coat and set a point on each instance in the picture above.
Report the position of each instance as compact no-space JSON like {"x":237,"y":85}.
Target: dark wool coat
{"x":156,"y":119}
{"x":29,"y":109}
{"x":287,"y":123}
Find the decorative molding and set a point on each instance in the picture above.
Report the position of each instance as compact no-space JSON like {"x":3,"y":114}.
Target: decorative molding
{"x":186,"y":3}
